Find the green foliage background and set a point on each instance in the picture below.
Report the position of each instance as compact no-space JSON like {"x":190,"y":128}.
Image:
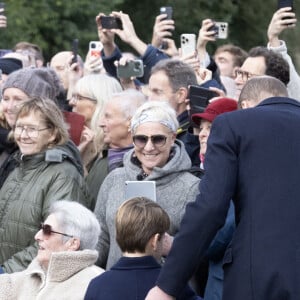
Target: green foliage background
{"x":53,"y":24}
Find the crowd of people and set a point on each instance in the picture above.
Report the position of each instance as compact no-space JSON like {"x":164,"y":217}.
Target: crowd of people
{"x":72,"y":132}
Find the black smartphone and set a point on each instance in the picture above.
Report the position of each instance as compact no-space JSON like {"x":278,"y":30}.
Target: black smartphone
{"x":199,"y":98}
{"x":109,"y":22}
{"x":74,"y":51}
{"x":2,"y":6}
{"x":133,"y":68}
{"x":168,"y":10}
{"x":285,"y":3}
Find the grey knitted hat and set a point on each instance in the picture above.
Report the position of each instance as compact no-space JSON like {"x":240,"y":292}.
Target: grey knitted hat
{"x":35,"y":82}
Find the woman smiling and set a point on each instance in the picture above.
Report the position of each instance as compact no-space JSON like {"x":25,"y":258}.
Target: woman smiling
{"x":157,"y":156}
{"x":46,"y":171}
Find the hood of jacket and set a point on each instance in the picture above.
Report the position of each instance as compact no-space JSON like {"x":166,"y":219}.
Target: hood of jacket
{"x":179,"y":162}
{"x":56,"y":154}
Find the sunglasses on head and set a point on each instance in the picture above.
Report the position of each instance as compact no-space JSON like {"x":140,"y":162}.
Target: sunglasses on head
{"x":47,"y":230}
{"x":141,"y":140}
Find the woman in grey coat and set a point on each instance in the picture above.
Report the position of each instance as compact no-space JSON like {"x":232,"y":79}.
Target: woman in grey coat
{"x":157,"y":156}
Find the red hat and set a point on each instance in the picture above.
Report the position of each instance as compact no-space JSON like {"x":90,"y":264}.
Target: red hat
{"x":214,"y":109}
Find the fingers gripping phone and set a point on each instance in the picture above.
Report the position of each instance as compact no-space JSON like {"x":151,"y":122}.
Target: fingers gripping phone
{"x":95,"y":48}
{"x":133,"y":68}
{"x":188,"y":43}
{"x":168,"y":10}
{"x":286,"y":3}
{"x":110,"y":22}
{"x":221,"y":30}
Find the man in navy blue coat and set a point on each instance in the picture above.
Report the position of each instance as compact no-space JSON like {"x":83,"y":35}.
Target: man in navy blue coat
{"x":253,"y":157}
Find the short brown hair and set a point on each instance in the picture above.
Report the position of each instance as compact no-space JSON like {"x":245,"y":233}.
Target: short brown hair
{"x":137,"y":220}
{"x":239,"y":55}
{"x":51,"y":115}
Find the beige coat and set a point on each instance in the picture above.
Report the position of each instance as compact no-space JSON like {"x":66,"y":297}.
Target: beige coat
{"x":67,"y":277}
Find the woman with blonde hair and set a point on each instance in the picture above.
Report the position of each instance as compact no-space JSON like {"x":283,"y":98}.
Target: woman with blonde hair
{"x":91,"y":93}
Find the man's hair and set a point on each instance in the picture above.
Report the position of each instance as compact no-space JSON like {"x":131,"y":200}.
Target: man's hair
{"x":259,"y":88}
{"x":179,"y":73}
{"x":33,"y":49}
{"x":239,"y":55}
{"x":137,"y":220}
{"x":276,"y":65}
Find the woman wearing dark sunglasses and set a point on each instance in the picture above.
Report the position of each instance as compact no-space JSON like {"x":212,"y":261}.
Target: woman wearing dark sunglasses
{"x":158,"y":156}
{"x":64,"y":264}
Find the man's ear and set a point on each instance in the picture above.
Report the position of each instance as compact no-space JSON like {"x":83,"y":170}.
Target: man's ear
{"x":74,"y":244}
{"x":181,"y":95}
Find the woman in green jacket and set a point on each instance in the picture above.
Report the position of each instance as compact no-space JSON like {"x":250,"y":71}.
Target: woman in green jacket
{"x":47,"y":170}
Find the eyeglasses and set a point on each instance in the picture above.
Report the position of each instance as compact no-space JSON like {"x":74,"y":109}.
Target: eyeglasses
{"x":158,"y":140}
{"x":31,"y":131}
{"x":244,"y":74}
{"x":47,"y":230}
{"x":78,"y":97}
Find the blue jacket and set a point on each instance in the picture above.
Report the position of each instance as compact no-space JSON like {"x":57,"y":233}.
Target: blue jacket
{"x":130,"y":278}
{"x":253,"y":157}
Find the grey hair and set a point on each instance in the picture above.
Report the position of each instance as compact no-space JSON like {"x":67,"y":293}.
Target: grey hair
{"x":155,"y":111}
{"x":259,"y":88}
{"x":75,"y":219}
{"x":129,"y":101}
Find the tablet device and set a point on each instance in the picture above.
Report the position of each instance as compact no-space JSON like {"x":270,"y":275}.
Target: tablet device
{"x":140,"y":189}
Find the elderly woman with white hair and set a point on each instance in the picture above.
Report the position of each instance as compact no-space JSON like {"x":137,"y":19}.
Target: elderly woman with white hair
{"x":64,"y":265}
{"x":156,"y":156}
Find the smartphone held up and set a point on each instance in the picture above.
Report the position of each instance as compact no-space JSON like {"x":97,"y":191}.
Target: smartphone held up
{"x":133,"y":68}
{"x":111,"y":22}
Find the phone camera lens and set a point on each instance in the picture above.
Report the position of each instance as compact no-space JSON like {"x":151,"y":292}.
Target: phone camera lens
{"x":93,"y":45}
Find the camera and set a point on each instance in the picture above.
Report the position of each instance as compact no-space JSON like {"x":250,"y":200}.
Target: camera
{"x":220,"y":29}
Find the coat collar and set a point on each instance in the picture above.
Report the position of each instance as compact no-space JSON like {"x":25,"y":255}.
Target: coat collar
{"x":143,"y":262}
{"x":279,"y":100}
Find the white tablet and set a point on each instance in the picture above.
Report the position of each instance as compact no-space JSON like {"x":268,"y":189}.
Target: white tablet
{"x":140,"y":189}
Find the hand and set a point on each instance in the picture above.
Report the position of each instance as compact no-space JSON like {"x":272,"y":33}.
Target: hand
{"x":106,"y":36}
{"x":157,"y":294}
{"x":278,"y":24}
{"x":203,"y":75}
{"x":171,"y":50}
{"x":93,"y":64}
{"x":127,"y":83}
{"x":128,"y":34}
{"x":191,"y":59}
{"x":3,"y":20}
{"x":87,"y":136}
{"x":162,"y":29}
{"x":205,"y":34}
{"x":220,"y":93}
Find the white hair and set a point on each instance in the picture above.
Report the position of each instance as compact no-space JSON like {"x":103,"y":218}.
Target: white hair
{"x":75,"y":219}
